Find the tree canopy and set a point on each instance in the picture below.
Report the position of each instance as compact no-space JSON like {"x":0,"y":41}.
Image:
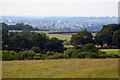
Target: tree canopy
{"x":18,"y":26}
{"x":108,"y":35}
{"x":81,"y":38}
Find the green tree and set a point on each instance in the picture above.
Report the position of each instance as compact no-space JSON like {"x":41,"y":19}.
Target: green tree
{"x":116,"y":38}
{"x":89,"y":48}
{"x":81,"y":38}
{"x":39,"y":40}
{"x":55,"y":45}
{"x":20,"y":41}
{"x":5,"y":38}
{"x":105,"y":36}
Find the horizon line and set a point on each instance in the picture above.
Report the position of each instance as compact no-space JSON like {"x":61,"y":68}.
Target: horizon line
{"x":51,"y":16}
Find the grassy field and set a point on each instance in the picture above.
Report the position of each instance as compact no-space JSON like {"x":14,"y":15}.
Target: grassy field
{"x":63,"y":36}
{"x":111,"y":51}
{"x":60,"y":36}
{"x":65,"y":68}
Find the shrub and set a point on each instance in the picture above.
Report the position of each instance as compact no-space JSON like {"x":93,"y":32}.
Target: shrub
{"x":69,"y":52}
{"x":93,"y":55}
{"x":103,"y":55}
{"x":113,"y":56}
{"x":27,"y":54}
{"x":89,"y":48}
{"x":63,"y":56}
{"x":66,"y":42}
{"x":10,"y":55}
{"x":50,"y":53}
{"x":39,"y":56}
{"x":36,"y":49}
{"x":78,"y":54}
{"x":56,"y":55}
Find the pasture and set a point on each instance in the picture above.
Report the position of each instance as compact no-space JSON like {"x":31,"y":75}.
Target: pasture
{"x":111,"y":51}
{"x":62,"y":68}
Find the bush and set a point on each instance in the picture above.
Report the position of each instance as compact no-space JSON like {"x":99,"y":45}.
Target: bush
{"x":66,"y":42}
{"x":10,"y":55}
{"x":94,"y":55}
{"x":50,"y":53}
{"x":69,"y":52}
{"x":27,"y":55}
{"x":36,"y":49}
{"x":79,"y":54}
{"x":103,"y":55}
{"x":63,"y":56}
{"x":39,"y":56}
{"x":89,"y":48}
{"x":113,"y":56}
{"x":56,"y":55}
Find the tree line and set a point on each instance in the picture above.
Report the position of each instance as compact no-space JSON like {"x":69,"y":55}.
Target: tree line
{"x":31,"y":45}
{"x":19,"y":26}
{"x":107,"y":37}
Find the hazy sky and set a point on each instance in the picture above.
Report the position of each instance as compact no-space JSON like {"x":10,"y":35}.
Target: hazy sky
{"x":59,"y":7}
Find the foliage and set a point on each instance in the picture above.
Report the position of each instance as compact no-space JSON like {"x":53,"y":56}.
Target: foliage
{"x":10,"y":55}
{"x":67,"y":42}
{"x":81,"y":38}
{"x":18,"y":26}
{"x":39,"y":40}
{"x":116,"y":38}
{"x":55,"y":45}
{"x":36,"y":49}
{"x":89,"y":48}
{"x":55,"y":55}
{"x":113,"y":56}
{"x":28,"y":45}
{"x":109,"y":35}
{"x":39,"y":56}
{"x":69,"y":52}
{"x":51,"y":53}
{"x":5,"y":38}
{"x":27,"y":40}
{"x":27,"y":55}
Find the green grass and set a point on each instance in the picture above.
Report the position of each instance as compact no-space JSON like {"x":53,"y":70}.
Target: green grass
{"x":65,"y":68}
{"x":111,"y":51}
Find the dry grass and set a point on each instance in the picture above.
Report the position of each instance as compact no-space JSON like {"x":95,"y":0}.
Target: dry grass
{"x":65,"y":68}
{"x":60,"y":36}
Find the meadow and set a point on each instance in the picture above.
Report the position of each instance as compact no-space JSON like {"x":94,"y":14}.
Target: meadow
{"x":62,"y":68}
{"x":111,"y":51}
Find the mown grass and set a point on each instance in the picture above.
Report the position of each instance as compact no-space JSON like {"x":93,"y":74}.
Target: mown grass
{"x":65,"y":68}
{"x":111,"y":51}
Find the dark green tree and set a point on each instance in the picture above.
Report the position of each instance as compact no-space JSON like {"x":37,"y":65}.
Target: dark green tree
{"x":55,"y":45}
{"x":39,"y":40}
{"x":89,"y":48}
{"x":5,"y":38}
{"x":105,"y":36}
{"x":81,"y":38}
{"x":116,"y":38}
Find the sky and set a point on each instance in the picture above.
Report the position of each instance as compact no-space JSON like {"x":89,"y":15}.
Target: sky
{"x":59,"y":8}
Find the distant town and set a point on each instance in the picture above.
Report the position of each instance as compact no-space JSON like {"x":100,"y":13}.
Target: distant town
{"x":93,"y":24}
